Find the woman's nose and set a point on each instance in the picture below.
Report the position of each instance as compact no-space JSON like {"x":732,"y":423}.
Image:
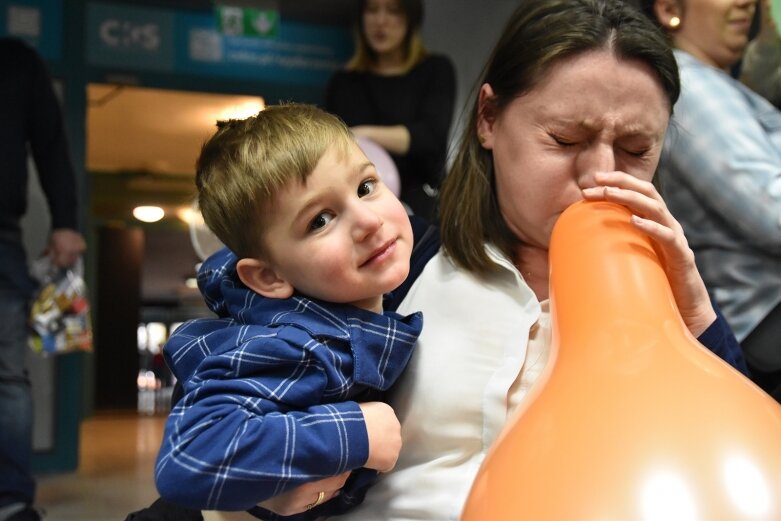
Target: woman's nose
{"x":380,"y":16}
{"x":595,"y":158}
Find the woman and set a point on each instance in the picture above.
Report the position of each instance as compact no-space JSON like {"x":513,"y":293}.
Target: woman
{"x":398,"y":95}
{"x":574,"y":104}
{"x":721,"y":173}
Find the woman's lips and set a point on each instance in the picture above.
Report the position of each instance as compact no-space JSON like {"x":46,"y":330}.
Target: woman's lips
{"x":742,"y":25}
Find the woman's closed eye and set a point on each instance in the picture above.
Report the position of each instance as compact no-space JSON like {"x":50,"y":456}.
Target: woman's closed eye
{"x":638,"y":152}
{"x":562,"y":141}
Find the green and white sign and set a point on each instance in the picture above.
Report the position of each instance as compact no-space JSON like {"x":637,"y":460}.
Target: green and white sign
{"x":247,"y":21}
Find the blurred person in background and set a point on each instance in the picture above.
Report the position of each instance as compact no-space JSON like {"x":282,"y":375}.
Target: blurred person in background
{"x":721,"y":173}
{"x":761,"y":65}
{"x":30,"y":119}
{"x":397,"y":94}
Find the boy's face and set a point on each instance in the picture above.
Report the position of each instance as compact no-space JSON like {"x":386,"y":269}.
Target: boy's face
{"x":343,"y":236}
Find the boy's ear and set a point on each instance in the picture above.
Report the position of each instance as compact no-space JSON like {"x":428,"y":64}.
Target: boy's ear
{"x":263,"y":279}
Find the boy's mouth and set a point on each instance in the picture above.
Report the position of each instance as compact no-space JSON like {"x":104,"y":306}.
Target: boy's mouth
{"x":380,"y":253}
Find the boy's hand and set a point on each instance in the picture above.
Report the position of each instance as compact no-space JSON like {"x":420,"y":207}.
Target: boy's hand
{"x":298,"y":499}
{"x":384,"y":432}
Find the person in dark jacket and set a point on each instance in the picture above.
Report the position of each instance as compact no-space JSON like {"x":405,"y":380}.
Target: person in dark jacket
{"x":30,"y":121}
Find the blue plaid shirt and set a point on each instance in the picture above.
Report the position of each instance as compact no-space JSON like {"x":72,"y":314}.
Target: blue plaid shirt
{"x":721,"y":178}
{"x":270,"y":395}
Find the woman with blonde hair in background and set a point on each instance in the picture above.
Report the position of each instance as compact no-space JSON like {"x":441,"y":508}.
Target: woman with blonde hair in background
{"x":397,"y":94}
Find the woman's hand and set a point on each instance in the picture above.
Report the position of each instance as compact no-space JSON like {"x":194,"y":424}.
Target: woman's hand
{"x":650,"y":214}
{"x":306,"y":496}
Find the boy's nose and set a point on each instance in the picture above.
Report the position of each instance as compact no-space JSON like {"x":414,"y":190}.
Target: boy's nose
{"x":366,"y":222}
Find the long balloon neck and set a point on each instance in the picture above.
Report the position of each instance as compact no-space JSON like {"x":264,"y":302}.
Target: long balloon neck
{"x":596,"y":272}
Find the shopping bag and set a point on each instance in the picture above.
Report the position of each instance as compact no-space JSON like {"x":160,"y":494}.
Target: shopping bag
{"x":60,"y":312}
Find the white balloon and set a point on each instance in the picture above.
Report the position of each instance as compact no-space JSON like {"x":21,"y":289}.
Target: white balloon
{"x":382,"y":162}
{"x":204,"y":241}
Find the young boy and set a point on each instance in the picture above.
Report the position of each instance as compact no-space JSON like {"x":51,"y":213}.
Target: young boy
{"x":282,"y":388}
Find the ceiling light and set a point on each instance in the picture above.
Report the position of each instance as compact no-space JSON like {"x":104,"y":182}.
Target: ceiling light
{"x":241,"y":110}
{"x":148,"y":214}
{"x":189,"y":215}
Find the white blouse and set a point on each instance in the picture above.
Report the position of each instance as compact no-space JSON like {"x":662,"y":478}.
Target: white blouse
{"x":466,"y":375}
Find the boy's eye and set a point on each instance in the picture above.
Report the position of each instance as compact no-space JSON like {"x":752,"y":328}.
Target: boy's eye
{"x":366,"y":187}
{"x":319,"y":221}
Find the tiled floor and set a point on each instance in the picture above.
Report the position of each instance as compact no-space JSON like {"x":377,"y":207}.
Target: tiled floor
{"x":114,"y":477}
{"x":115,"y":471}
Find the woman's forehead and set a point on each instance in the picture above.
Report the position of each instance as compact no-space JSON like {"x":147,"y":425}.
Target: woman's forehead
{"x":599,"y":71}
{"x":598,"y":89}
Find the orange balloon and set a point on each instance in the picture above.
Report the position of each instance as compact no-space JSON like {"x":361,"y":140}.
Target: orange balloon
{"x":633,"y":419}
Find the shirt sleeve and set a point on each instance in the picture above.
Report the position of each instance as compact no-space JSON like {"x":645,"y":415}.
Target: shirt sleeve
{"x":720,"y":339}
{"x":726,"y":145}
{"x":245,"y":429}
{"x":49,"y":147}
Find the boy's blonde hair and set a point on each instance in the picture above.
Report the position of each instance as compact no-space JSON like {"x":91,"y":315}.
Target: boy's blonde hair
{"x":246,"y":162}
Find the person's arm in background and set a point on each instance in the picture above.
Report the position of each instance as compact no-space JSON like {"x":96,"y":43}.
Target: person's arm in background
{"x":428,"y":133}
{"x":728,"y":157}
{"x":395,"y":138}
{"x":761,"y":66}
{"x":49,"y":146}
{"x":346,"y":97}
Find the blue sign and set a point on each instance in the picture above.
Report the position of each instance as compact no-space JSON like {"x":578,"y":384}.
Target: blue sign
{"x":129,"y":37}
{"x":186,"y":42}
{"x":38,"y":22}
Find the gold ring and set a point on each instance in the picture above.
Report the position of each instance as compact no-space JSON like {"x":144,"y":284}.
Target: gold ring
{"x":320,"y":498}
